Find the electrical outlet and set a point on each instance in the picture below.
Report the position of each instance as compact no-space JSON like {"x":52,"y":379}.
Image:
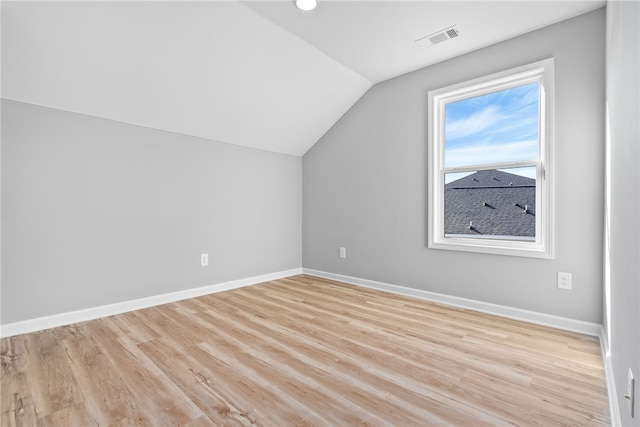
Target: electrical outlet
{"x":343,"y":252}
{"x":630,"y":396}
{"x":204,"y":260}
{"x":564,"y":281}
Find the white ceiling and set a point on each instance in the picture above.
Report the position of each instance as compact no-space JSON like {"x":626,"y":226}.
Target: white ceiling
{"x":260,"y":74}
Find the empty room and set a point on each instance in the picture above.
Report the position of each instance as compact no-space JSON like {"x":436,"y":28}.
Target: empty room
{"x":320,"y":213}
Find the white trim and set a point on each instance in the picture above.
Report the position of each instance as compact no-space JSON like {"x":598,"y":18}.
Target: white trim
{"x":69,"y":318}
{"x":564,"y":323}
{"x":493,"y":237}
{"x":614,"y":409}
{"x":543,"y":245}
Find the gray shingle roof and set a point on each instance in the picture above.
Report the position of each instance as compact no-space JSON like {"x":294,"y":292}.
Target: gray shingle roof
{"x":494,"y":202}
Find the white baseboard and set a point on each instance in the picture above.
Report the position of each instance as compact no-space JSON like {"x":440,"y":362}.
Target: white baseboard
{"x":587,"y":328}
{"x":62,"y":319}
{"x":557,"y":322}
{"x":563,"y":323}
{"x":614,"y":410}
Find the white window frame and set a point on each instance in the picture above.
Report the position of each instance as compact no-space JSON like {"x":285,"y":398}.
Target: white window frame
{"x":542,"y":247}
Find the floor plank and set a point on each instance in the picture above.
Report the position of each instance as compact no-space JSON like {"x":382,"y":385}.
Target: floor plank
{"x":302,"y":351}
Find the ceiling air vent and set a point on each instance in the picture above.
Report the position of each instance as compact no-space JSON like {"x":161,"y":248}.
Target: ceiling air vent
{"x":439,"y":37}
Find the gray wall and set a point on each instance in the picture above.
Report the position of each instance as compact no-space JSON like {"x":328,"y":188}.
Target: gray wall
{"x":623,"y":100}
{"x":97,"y":212}
{"x":364,"y":182}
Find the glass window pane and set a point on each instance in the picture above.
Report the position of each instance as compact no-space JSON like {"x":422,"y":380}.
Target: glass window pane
{"x":496,"y":127}
{"x":491,"y":204}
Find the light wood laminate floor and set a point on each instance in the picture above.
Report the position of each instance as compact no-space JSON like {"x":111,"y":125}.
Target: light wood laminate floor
{"x":302,"y":351}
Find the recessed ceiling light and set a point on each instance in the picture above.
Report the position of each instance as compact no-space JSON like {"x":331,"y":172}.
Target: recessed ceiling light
{"x":305,"y":5}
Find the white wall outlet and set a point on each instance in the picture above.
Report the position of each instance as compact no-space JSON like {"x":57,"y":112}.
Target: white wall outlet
{"x":630,"y":396}
{"x":343,"y":252}
{"x":204,"y":260}
{"x":564,"y":281}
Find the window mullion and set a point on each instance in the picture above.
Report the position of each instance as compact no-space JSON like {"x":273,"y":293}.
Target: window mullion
{"x":489,"y":166}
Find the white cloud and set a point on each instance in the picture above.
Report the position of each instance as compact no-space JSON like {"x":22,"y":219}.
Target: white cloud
{"x":494,"y":153}
{"x":476,"y":122}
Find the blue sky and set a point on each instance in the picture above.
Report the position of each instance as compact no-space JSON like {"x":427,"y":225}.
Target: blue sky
{"x":496,"y":127}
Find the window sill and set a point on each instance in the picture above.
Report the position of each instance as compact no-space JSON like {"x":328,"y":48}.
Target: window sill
{"x":498,"y":247}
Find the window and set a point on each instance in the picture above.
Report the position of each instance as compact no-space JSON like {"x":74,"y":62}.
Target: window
{"x":490,"y":175}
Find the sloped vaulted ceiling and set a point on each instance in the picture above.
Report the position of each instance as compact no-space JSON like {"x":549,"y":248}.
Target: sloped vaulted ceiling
{"x":211,"y":69}
{"x":259,"y":74}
